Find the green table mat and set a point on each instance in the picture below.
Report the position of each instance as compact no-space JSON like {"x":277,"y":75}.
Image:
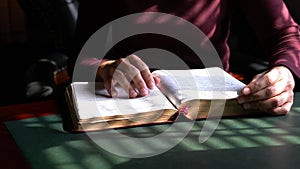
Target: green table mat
{"x":264,"y":142}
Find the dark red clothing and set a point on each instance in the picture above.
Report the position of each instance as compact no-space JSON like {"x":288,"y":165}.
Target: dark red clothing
{"x":278,"y":33}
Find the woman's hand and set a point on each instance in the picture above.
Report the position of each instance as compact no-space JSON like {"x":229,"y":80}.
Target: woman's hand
{"x":270,"y":91}
{"x":131,"y":73}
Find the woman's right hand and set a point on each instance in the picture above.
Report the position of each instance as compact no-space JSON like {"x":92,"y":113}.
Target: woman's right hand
{"x":131,"y":73}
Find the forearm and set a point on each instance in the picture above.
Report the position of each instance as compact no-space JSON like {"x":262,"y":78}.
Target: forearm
{"x":277,"y":31}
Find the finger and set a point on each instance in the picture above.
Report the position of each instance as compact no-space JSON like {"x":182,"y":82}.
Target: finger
{"x":149,"y":79}
{"x":119,"y":72}
{"x":268,"y":92}
{"x":271,"y":103}
{"x":156,"y":79}
{"x":282,"y":110}
{"x":132,"y":74}
{"x":120,"y":79}
{"x":262,"y":81}
{"x":143,"y":68}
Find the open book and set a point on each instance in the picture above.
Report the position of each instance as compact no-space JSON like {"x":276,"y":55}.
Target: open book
{"x":195,"y":94}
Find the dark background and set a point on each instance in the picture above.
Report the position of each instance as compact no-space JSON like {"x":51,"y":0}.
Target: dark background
{"x":31,"y":30}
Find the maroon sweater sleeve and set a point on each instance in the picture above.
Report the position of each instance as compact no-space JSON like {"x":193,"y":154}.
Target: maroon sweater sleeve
{"x":278,"y":32}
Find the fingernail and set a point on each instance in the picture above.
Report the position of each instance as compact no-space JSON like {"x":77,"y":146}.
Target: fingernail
{"x":246,"y":91}
{"x":144,"y":92}
{"x":132,"y":93}
{"x":151,"y":84}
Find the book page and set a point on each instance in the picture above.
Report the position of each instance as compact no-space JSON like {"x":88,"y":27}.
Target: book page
{"x":210,"y":83}
{"x":94,"y":101}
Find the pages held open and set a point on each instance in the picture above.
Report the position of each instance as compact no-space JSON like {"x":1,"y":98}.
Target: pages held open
{"x":194,"y":93}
